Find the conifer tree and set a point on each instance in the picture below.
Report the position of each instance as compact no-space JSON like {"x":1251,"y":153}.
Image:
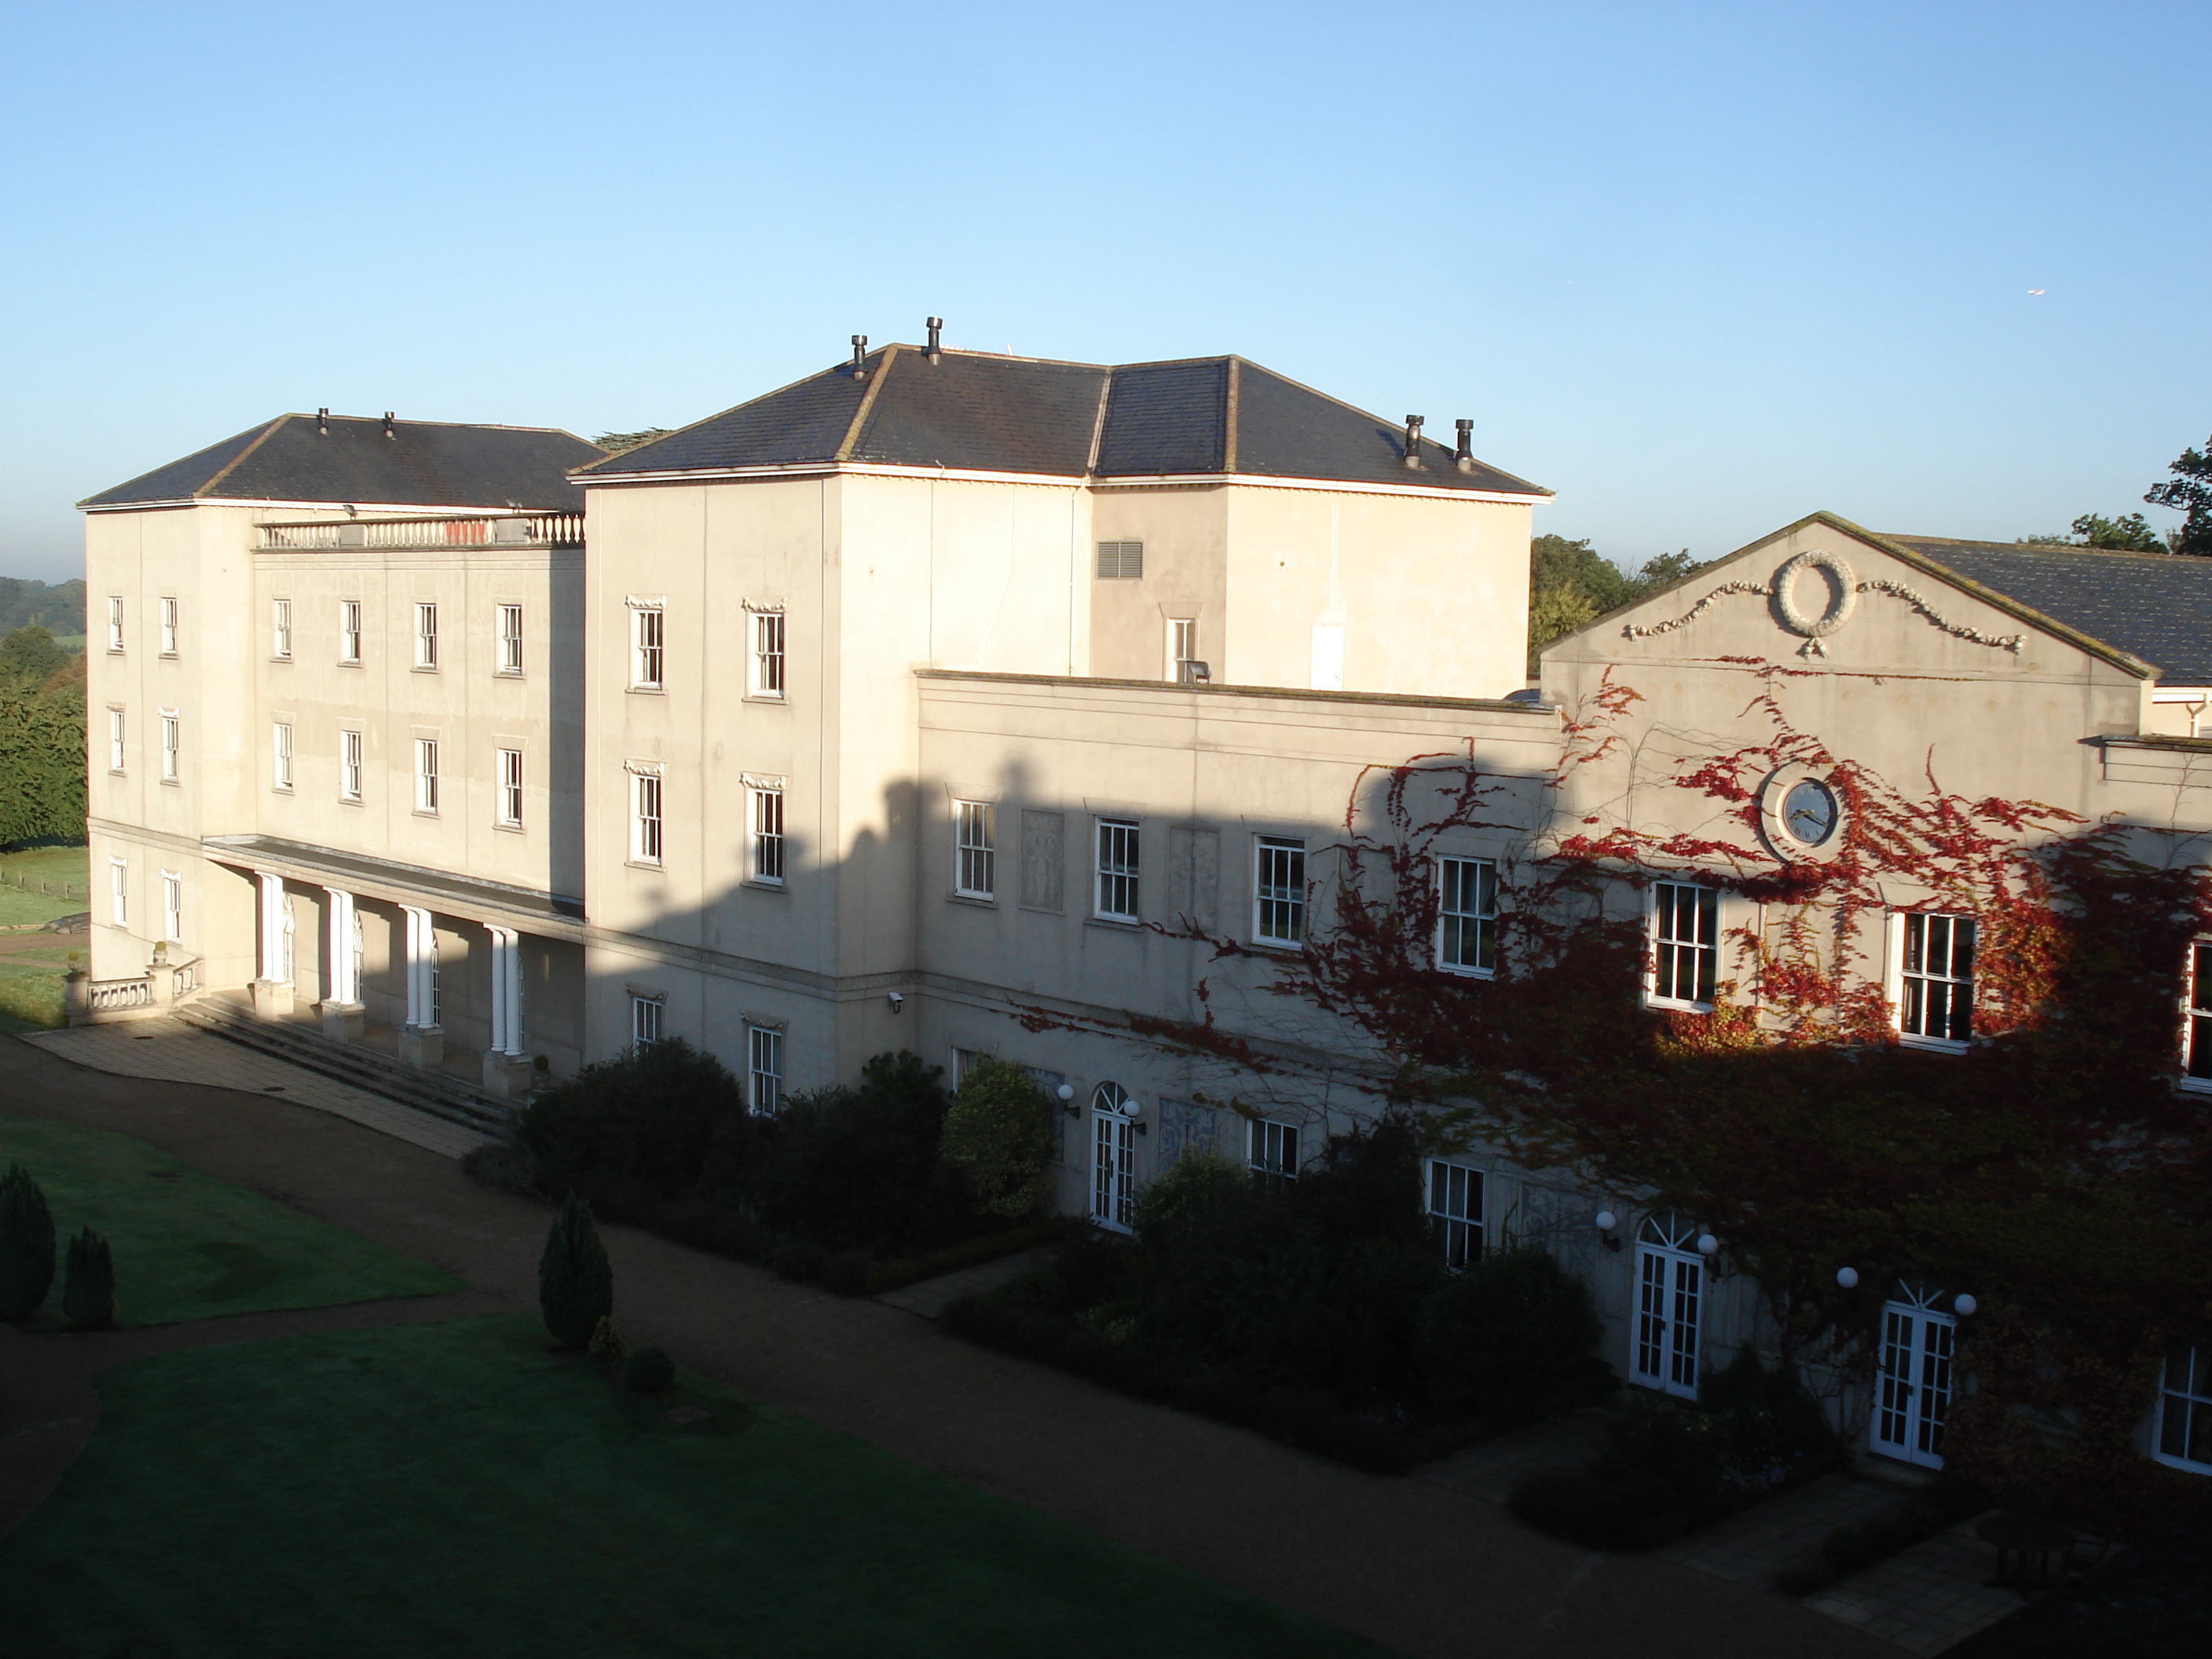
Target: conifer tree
{"x":88,"y":1291}
{"x":27,"y":1244}
{"x":576,"y":1286}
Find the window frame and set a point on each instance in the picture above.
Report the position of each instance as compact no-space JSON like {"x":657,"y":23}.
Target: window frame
{"x":118,"y":752}
{"x":115,"y":623}
{"x":1483,"y":919}
{"x":1289,"y":850}
{"x":1113,"y":1129}
{"x":1659,"y":912}
{"x":649,"y":647}
{"x":173,"y":741}
{"x":1182,"y":647}
{"x":349,"y":633}
{"x":169,"y":624}
{"x":506,"y":805}
{"x":426,"y":777}
{"x":172,"y":906}
{"x":280,"y":630}
{"x":769,"y":662}
{"x":118,"y":891}
{"x":280,"y":756}
{"x":1461,"y":1236}
{"x":352,"y":765}
{"x":1900,"y":977}
{"x":1668,"y":1242}
{"x":2196,"y":1392}
{"x":647,"y":827}
{"x":975,"y":863}
{"x":510,"y":641}
{"x":1271,"y":1153}
{"x":767,"y":845}
{"x":764,"y":1091}
{"x":640,"y":1008}
{"x":426,"y":636}
{"x":2196,"y":1017}
{"x":1127,"y":877}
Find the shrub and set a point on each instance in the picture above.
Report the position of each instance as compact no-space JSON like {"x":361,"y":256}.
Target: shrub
{"x":647,"y":1370}
{"x":27,"y":1244}
{"x":88,"y":1291}
{"x":1366,"y":1184}
{"x":506,"y":1164}
{"x":1509,"y":1337}
{"x":1751,"y":1432}
{"x":606,"y":1349}
{"x":575,"y":1285}
{"x":998,"y":1134}
{"x":665,"y":1114}
{"x":851,"y":1167}
{"x":1601,"y":1512}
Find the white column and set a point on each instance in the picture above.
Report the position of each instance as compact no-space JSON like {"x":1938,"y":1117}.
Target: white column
{"x":505,"y":992}
{"x":499,"y":939}
{"x":418,"y":966}
{"x":272,"y":924}
{"x":341,"y":986}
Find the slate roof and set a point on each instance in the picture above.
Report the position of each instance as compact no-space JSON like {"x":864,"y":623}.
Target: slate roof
{"x":2157,"y":606}
{"x":423,"y":464}
{"x":978,"y":411}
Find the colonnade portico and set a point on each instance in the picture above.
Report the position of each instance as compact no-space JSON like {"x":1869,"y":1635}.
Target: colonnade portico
{"x":507,"y":1069}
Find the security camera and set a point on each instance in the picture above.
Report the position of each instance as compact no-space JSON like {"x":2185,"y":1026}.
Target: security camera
{"x":896,"y":999}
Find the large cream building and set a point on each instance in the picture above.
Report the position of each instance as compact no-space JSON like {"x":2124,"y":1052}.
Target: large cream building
{"x":928,"y":702}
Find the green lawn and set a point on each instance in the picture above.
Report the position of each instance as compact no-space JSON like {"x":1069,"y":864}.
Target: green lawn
{"x":189,"y":1246}
{"x":454,"y":1490}
{"x":31,"y":986}
{"x":66,"y":871}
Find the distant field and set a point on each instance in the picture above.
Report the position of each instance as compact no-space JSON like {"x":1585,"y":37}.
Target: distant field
{"x":41,"y":883}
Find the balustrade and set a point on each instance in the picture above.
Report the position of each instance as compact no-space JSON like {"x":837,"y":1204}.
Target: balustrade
{"x":332,"y":535}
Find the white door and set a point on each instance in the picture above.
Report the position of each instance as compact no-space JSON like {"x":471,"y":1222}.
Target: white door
{"x":1913,"y":1389}
{"x":1113,"y":1157}
{"x":1670,"y":1285}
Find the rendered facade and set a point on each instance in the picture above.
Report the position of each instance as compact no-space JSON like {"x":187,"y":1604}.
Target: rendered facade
{"x":924,"y":704}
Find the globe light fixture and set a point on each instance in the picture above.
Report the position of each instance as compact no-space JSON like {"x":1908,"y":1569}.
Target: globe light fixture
{"x":1707,"y":1244}
{"x":1848,"y":1278}
{"x":1607,"y":1221}
{"x":1965,"y":1305}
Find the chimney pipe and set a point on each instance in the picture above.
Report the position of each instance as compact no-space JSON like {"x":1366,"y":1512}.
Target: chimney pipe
{"x":1463,"y":457}
{"x":859,"y":352}
{"x":936,"y":339}
{"x":1413,"y":440}
{"x":388,"y":419}
{"x":322,"y":423}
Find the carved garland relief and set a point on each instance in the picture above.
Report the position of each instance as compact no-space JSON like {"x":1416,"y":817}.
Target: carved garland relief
{"x":1843,"y":599}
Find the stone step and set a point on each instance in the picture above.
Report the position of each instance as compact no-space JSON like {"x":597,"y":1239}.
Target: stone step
{"x":364,"y":1069}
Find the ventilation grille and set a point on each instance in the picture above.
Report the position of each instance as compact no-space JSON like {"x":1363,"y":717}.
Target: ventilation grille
{"x":1120,"y":561}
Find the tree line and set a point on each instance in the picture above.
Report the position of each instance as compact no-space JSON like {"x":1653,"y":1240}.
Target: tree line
{"x":42,"y":735}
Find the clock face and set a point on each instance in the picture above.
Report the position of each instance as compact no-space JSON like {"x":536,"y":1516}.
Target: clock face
{"x":1808,"y":812}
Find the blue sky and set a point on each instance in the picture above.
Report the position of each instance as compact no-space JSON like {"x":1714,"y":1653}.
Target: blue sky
{"x":1701,"y":270}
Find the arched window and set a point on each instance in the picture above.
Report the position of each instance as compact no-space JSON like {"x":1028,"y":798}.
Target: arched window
{"x":1670,"y":1284}
{"x":1113,"y":1156}
{"x":1913,"y":1389}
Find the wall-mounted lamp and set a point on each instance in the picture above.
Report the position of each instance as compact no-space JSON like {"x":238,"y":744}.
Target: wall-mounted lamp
{"x":1066,"y":1093}
{"x":1707,"y":1244}
{"x":1965,"y":1305}
{"x":1848,"y":1278}
{"x":1607,"y":1221}
{"x":896,"y":998}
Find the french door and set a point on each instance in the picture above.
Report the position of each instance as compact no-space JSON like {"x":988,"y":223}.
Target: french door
{"x":1914,"y":1390}
{"x":1670,"y":1289}
{"x":1113,"y":1157}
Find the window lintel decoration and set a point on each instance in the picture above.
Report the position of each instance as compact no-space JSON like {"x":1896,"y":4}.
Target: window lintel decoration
{"x":646,"y":601}
{"x":758,"y":779}
{"x":643,"y":768}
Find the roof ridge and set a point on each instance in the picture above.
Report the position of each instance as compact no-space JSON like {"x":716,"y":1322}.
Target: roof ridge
{"x":1230,"y":388}
{"x":2023,"y":547}
{"x":235,"y":461}
{"x":1427,"y":442}
{"x":1098,"y":421}
{"x":885,"y":355}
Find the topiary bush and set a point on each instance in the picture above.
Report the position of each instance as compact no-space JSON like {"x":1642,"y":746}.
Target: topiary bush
{"x":998,"y":1134}
{"x":88,"y":1291}
{"x":851,"y":1167}
{"x":576,"y":1285}
{"x":647,"y":1370}
{"x":606,"y":1349}
{"x":27,"y":1244}
{"x":1510,"y":1338}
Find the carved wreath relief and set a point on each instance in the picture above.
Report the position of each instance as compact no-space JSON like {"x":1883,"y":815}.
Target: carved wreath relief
{"x":1842,"y":595}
